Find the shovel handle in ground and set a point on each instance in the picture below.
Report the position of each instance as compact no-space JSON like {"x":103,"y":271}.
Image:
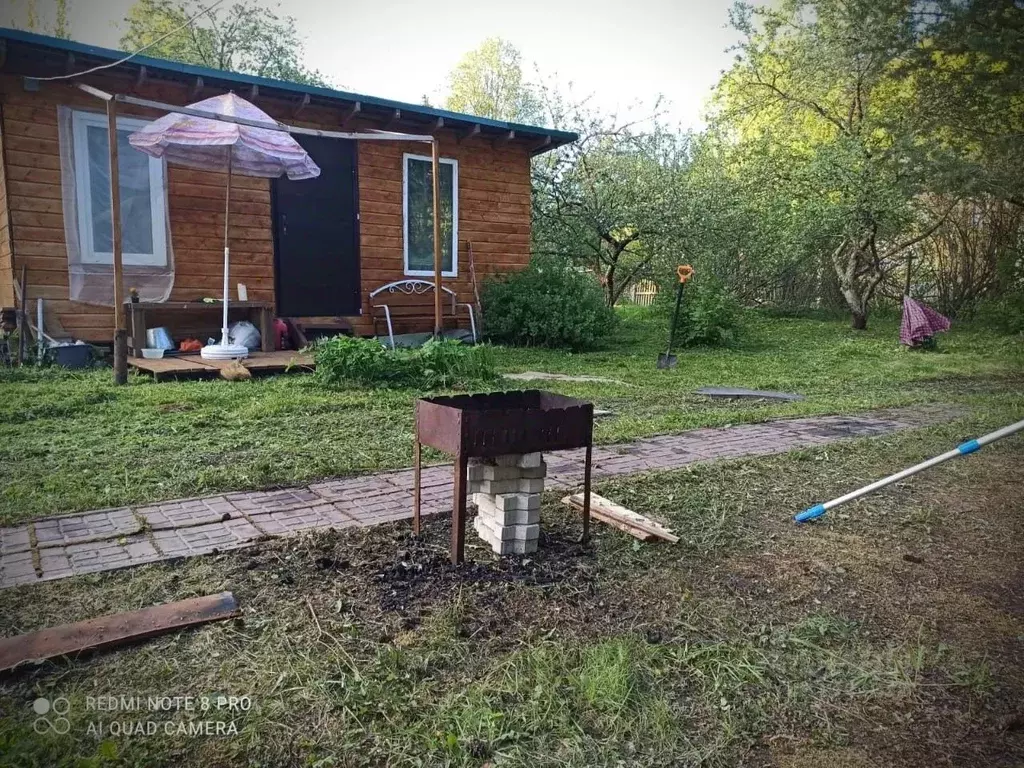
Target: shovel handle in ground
{"x":668,"y":360}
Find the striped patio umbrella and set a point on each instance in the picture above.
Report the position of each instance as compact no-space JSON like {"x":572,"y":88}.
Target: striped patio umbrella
{"x":209,"y":144}
{"x":920,"y":322}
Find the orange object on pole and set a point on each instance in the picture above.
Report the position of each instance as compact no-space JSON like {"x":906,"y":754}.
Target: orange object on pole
{"x":685,"y":272}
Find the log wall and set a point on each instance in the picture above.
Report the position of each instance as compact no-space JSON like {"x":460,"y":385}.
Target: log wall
{"x":494,"y":206}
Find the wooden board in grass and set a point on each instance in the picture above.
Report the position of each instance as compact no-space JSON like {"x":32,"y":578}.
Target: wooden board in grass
{"x":115,"y":629}
{"x":624,"y":519}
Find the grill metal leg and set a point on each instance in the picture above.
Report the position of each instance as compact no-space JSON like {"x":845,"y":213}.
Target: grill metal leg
{"x":459,"y":509}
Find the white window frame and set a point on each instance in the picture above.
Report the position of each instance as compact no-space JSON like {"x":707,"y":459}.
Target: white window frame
{"x":80,"y":122}
{"x":454,"y":272}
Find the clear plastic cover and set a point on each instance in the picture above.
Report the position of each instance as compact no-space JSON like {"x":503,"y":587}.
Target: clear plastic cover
{"x":147,"y":255}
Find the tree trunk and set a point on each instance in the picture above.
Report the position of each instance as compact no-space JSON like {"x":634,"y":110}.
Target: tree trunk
{"x":609,"y":285}
{"x":848,"y":259}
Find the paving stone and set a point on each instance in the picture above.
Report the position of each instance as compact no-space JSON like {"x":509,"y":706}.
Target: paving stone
{"x":187,"y":512}
{"x":273,"y":501}
{"x":15,"y":540}
{"x":17,"y":568}
{"x":108,"y":539}
{"x":55,"y":563}
{"x":57,"y":531}
{"x":352,"y":488}
{"x":89,"y":557}
{"x":202,"y":539}
{"x":291,"y":521}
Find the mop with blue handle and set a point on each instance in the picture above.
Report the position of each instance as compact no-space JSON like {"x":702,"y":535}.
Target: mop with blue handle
{"x":961,"y":450}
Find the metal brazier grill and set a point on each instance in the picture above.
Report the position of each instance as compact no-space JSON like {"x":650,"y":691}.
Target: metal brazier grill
{"x":495,"y":424}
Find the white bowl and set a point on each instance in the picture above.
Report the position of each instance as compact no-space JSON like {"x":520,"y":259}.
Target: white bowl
{"x":152,"y":354}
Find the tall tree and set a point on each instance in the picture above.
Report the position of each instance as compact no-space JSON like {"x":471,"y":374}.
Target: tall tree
{"x":488,"y":82}
{"x":613,"y":201}
{"x":814,"y":84}
{"x":246,"y":38}
{"x":967,"y":77}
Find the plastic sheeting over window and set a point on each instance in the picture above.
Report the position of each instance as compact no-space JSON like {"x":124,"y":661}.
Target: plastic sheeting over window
{"x":145,"y":228}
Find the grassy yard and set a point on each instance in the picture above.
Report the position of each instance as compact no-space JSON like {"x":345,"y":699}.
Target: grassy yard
{"x":70,"y":442}
{"x":891,"y":633}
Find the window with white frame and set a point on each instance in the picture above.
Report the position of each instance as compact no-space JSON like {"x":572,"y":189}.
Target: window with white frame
{"x":418,"y":209}
{"x":143,"y":211}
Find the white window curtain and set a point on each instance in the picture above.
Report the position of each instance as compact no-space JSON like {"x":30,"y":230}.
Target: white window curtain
{"x":418,"y":210}
{"x":85,"y":184}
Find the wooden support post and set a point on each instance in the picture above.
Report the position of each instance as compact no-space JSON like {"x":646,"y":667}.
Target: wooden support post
{"x":138,"y":328}
{"x":22,"y":317}
{"x":120,"y":328}
{"x":436,"y":165}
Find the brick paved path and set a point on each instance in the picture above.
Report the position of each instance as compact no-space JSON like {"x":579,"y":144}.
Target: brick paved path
{"x":104,"y":540}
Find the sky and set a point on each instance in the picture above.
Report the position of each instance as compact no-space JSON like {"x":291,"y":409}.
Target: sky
{"x":614,"y":51}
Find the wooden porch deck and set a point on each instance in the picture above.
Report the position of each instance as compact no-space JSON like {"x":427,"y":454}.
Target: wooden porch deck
{"x":195,"y":365}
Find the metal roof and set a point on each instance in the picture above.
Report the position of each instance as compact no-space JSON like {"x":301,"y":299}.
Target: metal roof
{"x":213,"y":76}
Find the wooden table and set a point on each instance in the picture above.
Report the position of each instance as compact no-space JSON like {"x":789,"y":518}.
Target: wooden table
{"x":196,"y":319}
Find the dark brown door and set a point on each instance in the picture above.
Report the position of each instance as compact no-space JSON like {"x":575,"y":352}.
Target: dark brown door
{"x":316,"y":234}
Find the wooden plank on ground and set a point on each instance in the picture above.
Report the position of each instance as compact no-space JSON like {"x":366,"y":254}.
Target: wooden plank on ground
{"x":622,"y":518}
{"x":576,"y":502}
{"x":115,"y":629}
{"x":280,"y":359}
{"x":258,"y":361}
{"x":170,"y":365}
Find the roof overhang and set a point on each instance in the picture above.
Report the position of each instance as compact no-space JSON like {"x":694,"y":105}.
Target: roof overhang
{"x":36,"y":56}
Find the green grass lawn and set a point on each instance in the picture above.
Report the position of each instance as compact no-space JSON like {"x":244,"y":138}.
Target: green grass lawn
{"x":887,"y":633}
{"x":70,"y":442}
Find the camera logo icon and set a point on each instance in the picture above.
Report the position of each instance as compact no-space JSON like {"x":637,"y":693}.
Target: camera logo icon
{"x":51,"y":715}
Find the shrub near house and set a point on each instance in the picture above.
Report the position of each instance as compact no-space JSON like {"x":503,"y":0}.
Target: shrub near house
{"x":548,"y":304}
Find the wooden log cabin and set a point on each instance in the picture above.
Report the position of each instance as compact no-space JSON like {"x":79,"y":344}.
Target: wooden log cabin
{"x":310,"y":248}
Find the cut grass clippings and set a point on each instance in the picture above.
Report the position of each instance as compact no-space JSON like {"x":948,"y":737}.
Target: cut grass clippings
{"x":71,"y":442}
{"x":751,"y":642}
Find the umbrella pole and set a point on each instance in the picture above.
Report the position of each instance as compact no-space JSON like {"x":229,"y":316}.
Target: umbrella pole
{"x":436,"y":166}
{"x":227,"y":254}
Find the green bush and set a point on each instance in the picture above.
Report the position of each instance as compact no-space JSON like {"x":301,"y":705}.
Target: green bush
{"x":710,"y":316}
{"x":1004,"y":314}
{"x":437,"y":364}
{"x":548,"y":304}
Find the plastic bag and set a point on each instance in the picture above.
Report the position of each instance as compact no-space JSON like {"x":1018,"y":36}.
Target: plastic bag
{"x":245,"y":334}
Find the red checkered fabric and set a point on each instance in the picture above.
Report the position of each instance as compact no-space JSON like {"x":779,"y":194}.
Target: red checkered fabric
{"x":920,"y":322}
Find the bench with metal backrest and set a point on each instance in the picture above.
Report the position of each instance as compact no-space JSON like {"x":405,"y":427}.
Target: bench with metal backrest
{"x":412,"y":301}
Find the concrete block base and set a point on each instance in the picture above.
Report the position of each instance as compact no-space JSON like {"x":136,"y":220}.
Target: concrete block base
{"x":505,"y":546}
{"x":506,"y":491}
